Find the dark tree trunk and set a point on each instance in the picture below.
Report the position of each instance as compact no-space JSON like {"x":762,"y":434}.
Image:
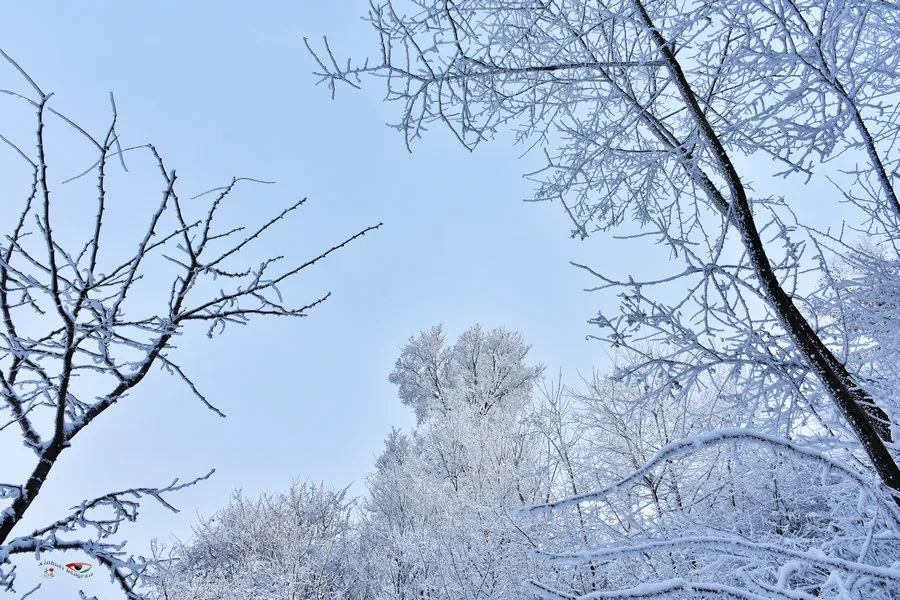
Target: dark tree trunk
{"x":867,"y":420}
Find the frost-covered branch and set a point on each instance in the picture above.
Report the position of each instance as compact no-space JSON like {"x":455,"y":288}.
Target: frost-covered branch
{"x":73,"y":305}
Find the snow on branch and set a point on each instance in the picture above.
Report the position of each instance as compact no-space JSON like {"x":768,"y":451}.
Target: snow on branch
{"x":78,"y":328}
{"x":692,"y":444}
{"x":670,"y":588}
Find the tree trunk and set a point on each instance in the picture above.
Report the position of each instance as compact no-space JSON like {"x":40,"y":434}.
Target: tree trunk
{"x":868,"y":421}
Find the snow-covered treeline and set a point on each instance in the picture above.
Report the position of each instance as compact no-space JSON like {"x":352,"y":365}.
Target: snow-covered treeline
{"x":514,"y":485}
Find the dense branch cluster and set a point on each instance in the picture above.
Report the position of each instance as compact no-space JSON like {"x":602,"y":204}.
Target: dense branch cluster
{"x":290,"y":545}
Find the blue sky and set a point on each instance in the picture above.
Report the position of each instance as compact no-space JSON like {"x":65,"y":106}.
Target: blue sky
{"x":224,"y":89}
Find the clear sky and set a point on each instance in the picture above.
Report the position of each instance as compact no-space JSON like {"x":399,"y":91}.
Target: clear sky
{"x":223,"y":89}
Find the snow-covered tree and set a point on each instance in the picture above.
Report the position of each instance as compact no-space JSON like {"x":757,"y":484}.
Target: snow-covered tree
{"x":682,"y":505}
{"x":78,"y":330}
{"x":481,"y":371}
{"x":859,"y":302}
{"x":285,"y":546}
{"x":438,"y":517}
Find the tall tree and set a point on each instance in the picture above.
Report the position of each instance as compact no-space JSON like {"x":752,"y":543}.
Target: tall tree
{"x":438,"y":520}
